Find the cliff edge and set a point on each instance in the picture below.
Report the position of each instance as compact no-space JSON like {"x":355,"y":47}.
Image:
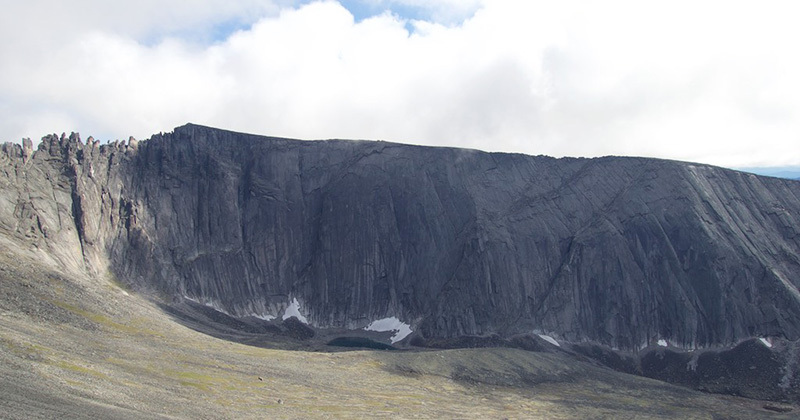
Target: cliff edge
{"x":623,"y":252}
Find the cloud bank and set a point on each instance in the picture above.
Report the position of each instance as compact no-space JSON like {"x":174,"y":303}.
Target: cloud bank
{"x":705,"y":81}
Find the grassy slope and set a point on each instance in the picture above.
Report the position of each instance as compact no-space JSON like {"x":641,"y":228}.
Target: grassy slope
{"x":83,"y":347}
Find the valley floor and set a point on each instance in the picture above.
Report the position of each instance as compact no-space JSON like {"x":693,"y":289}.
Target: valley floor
{"x":80,"y":347}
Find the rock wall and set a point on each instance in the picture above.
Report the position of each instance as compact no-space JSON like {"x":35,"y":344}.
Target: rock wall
{"x":618,"y":251}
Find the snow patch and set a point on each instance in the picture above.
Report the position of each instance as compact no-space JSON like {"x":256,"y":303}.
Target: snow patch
{"x":549,"y":339}
{"x":663,"y":343}
{"x":294,"y":311}
{"x":401,"y":329}
{"x":264,"y":317}
{"x":765,"y":342}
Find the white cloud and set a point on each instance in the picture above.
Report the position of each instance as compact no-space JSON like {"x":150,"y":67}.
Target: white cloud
{"x":444,"y":11}
{"x":703,"y":81}
{"x":54,"y":20}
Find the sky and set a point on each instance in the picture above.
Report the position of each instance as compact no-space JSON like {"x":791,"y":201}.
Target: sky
{"x":714,"y":82}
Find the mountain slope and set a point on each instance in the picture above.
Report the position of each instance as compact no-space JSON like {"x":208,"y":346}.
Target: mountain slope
{"x":619,"y":251}
{"x":78,"y":346}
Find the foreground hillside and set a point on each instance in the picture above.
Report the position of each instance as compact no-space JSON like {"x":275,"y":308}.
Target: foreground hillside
{"x":82,"y":347}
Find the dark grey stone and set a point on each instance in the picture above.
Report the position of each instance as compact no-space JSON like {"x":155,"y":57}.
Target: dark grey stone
{"x":616,"y":251}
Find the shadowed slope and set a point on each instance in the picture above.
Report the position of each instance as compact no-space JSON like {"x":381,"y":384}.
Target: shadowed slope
{"x":621,"y":251}
{"x":81,"y":347}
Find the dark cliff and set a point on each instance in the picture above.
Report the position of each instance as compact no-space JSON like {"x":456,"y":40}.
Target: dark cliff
{"x":618,"y":251}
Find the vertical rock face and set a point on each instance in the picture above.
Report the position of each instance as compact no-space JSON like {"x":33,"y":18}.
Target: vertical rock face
{"x":619,"y":251}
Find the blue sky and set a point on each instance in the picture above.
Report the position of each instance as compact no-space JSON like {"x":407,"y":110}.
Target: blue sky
{"x":362,"y":10}
{"x":702,"y":81}
{"x":408,"y":11}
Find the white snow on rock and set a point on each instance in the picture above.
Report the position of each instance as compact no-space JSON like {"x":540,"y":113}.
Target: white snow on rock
{"x":549,"y":339}
{"x":294,"y":311}
{"x":264,"y":317}
{"x":402,"y":330}
{"x":765,"y":342}
{"x":663,"y":343}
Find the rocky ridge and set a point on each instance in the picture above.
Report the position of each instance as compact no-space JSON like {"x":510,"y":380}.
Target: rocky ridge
{"x":611,"y":254}
{"x":618,"y":251}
